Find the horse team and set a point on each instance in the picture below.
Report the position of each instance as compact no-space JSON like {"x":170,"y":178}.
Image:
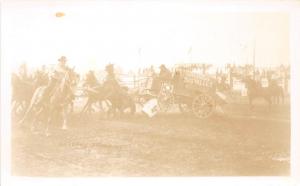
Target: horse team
{"x":30,"y":105}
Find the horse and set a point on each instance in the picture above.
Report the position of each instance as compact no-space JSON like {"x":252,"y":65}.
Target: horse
{"x":44,"y":107}
{"x":40,"y":78}
{"x":255,"y":91}
{"x":94,"y":95}
{"x":118,"y":99}
{"x":22,"y":91}
{"x":277,"y":91}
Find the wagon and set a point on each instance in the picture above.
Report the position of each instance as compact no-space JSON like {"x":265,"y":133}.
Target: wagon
{"x":193,"y":92}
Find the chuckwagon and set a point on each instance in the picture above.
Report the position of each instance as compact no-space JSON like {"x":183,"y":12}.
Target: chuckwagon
{"x":194,"y":93}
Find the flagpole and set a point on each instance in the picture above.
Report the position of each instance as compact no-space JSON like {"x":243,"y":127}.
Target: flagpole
{"x":190,"y":51}
{"x":140,"y":58}
{"x":191,"y":57}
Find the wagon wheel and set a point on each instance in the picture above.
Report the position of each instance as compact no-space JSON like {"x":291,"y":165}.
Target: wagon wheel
{"x":203,"y":106}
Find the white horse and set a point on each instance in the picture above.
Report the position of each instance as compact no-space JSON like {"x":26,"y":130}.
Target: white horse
{"x":45,"y":106}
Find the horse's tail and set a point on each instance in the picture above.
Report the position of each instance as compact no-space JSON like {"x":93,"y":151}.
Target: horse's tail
{"x":34,"y":100}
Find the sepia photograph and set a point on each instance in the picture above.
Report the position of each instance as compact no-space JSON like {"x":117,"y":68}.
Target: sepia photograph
{"x":97,"y":89}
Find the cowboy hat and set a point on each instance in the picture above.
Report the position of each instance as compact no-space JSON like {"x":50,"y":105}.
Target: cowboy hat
{"x":162,"y":66}
{"x":62,"y":59}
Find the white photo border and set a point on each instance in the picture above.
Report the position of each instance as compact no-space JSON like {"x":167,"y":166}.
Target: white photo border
{"x":290,"y":7}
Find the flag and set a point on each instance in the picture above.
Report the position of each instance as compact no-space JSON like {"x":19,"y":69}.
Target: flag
{"x":190,"y":50}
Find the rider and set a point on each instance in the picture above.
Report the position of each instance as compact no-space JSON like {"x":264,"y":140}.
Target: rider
{"x":164,"y":75}
{"x":56,"y":77}
{"x":111,"y":80}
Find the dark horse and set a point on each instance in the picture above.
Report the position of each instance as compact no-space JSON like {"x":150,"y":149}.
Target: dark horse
{"x":22,"y":91}
{"x":119,"y":99}
{"x":94,"y":95}
{"x":277,"y":95}
{"x":45,"y":107}
{"x":255,"y":91}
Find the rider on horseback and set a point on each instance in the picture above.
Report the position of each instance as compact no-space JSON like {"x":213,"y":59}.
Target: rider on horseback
{"x":111,"y":83}
{"x":56,"y":77}
{"x":164,"y":76}
{"x":111,"y":80}
{"x":41,"y":97}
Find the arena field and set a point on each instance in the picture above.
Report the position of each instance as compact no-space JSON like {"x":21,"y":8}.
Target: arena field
{"x":234,"y":143}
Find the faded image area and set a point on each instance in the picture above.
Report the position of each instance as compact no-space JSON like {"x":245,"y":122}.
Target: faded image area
{"x":147,"y":89}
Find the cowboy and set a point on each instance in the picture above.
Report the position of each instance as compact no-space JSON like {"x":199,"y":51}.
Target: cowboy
{"x":61,"y":68}
{"x":111,"y":80}
{"x":56,"y":77}
{"x":164,"y":74}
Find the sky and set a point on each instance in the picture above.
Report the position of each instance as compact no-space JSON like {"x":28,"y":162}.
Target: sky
{"x":136,"y":34}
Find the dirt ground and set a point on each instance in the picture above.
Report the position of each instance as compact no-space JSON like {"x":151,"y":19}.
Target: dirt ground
{"x":237,"y":143}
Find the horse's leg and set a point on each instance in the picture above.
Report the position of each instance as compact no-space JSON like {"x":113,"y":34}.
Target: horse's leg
{"x":47,"y":133}
{"x":250,"y":104}
{"x":65,"y":114}
{"x":85,"y":109}
{"x":45,"y":117}
{"x":25,"y":117}
{"x":36,"y":117}
{"x":49,"y":114}
{"x":112,"y":110}
{"x":105,"y":103}
{"x":86,"y":106}
{"x":32,"y":124}
{"x":30,"y":107}
{"x":72,"y":107}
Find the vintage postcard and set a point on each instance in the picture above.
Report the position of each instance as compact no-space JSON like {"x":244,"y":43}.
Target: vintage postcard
{"x":92,"y":91}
